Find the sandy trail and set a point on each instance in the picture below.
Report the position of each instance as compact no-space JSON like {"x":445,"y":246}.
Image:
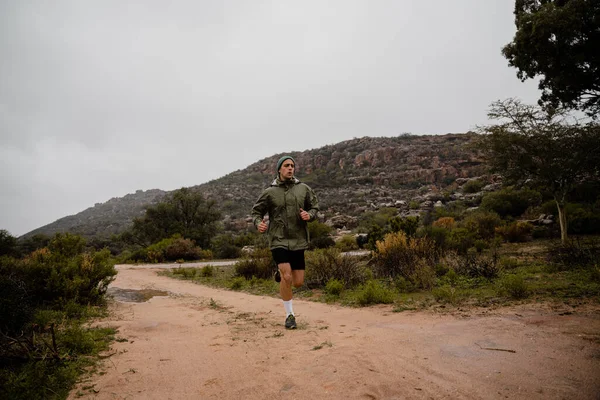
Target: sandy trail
{"x":185,"y":346}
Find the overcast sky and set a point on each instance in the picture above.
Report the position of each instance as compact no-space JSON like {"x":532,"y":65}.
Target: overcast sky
{"x":101,"y":98}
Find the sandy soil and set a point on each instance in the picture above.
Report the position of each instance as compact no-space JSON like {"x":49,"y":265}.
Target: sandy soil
{"x":187,"y":346}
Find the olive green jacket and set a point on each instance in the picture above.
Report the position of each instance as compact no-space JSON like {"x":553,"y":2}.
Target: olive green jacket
{"x":282,"y":201}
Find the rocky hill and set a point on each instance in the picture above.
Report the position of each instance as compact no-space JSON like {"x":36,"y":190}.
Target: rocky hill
{"x":349,"y":177}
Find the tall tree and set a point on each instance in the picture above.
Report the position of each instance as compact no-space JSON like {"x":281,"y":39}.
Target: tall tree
{"x":531,"y":145}
{"x":8,"y":243}
{"x":185,"y":212}
{"x":558,"y":40}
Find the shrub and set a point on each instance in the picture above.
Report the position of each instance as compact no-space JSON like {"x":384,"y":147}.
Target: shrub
{"x":322,"y":242}
{"x":508,"y":263}
{"x":436,"y":234}
{"x":513,"y":286}
{"x":453,"y":209}
{"x":483,"y":222}
{"x":582,"y":221}
{"x":412,"y":258}
{"x":444,"y":222}
{"x":574,"y":253}
{"x":481,"y":245}
{"x":516,"y":232}
{"x":324,"y":265}
{"x":207,"y":271}
{"x":460,"y":240}
{"x":402,"y":285}
{"x":224,"y":247}
{"x":448,"y":294}
{"x":157,"y":252}
{"x":180,"y":248}
{"x":510,"y":202}
{"x":318,"y":230}
{"x":259,"y":264}
{"x":346,"y":243}
{"x":473,"y":265}
{"x":334,"y":287}
{"x":42,"y":298}
{"x":473,"y":186}
{"x":373,"y":292}
{"x":407,"y":225}
{"x":237,"y":283}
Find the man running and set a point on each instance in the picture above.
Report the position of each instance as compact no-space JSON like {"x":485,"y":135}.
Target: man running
{"x":290,"y":205}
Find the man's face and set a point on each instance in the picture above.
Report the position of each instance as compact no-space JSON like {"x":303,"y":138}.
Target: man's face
{"x":286,"y":172}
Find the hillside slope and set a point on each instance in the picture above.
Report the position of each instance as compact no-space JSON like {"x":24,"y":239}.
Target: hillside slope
{"x":349,"y":177}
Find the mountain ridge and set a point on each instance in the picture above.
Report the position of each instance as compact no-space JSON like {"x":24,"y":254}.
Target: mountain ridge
{"x":350,"y":177}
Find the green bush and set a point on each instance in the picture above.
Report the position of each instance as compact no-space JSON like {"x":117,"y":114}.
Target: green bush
{"x":259,"y":264}
{"x":460,"y":240}
{"x":454,"y":210}
{"x":322,"y":243}
{"x":472,"y":264}
{"x":185,"y":272}
{"x":43,"y":299}
{"x":373,"y":292}
{"x":323,"y":265}
{"x":512,"y":285}
{"x":483,"y":222}
{"x":237,"y":283}
{"x":346,"y":243}
{"x":437,"y":234}
{"x":334,"y":287}
{"x":473,"y":186}
{"x":510,"y":202}
{"x":516,"y":232}
{"x":412,"y":258}
{"x":180,"y":248}
{"x":224,"y":247}
{"x":407,"y":225}
{"x":448,"y":294}
{"x":574,"y":253}
{"x":207,"y":271}
{"x":582,"y":220}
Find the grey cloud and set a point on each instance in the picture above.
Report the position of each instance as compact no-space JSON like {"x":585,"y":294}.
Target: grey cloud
{"x":101,"y":98}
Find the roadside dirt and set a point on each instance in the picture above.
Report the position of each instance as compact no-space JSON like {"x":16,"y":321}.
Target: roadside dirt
{"x":204,"y":343}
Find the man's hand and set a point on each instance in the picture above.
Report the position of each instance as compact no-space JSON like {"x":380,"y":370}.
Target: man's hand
{"x":304,"y":215}
{"x":262,"y":227}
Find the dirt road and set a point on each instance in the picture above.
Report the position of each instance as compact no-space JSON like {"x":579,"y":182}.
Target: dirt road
{"x":204,"y":343}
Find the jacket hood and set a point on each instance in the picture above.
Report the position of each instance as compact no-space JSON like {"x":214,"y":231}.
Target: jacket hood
{"x":277,"y":181}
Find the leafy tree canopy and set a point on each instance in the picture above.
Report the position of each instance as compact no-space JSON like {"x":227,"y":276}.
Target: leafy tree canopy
{"x":558,"y":40}
{"x":185,"y":212}
{"x":544,"y":149}
{"x":8,"y":243}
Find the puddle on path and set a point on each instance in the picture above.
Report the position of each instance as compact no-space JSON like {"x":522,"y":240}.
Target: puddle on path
{"x":135,"y":296}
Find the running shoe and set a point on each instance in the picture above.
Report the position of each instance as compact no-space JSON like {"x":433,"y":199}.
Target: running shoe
{"x":290,"y":322}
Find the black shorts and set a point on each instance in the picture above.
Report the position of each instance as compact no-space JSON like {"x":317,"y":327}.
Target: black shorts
{"x":294,"y":257}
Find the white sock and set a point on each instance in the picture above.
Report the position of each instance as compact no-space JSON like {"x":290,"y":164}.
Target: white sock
{"x":288,"y":308}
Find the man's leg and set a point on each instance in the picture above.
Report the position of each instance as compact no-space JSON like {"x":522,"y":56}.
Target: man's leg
{"x":285,"y":290}
{"x":285,"y":286}
{"x":297,"y":277}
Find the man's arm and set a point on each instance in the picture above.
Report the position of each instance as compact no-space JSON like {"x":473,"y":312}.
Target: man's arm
{"x":261,"y":207}
{"x":311,"y":203}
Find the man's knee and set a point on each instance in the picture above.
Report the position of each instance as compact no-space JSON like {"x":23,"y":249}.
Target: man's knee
{"x":286,"y":277}
{"x":297,"y":284}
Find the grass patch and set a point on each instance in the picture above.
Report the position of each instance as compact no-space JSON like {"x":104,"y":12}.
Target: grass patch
{"x":525,"y":274}
{"x":79,"y":350}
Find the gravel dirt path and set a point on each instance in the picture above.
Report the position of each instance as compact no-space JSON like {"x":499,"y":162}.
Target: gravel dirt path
{"x":204,"y":343}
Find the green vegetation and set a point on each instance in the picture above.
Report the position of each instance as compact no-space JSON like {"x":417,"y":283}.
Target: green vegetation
{"x":555,"y":41}
{"x":544,"y":149}
{"x":46,"y":298}
{"x":545,"y":270}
